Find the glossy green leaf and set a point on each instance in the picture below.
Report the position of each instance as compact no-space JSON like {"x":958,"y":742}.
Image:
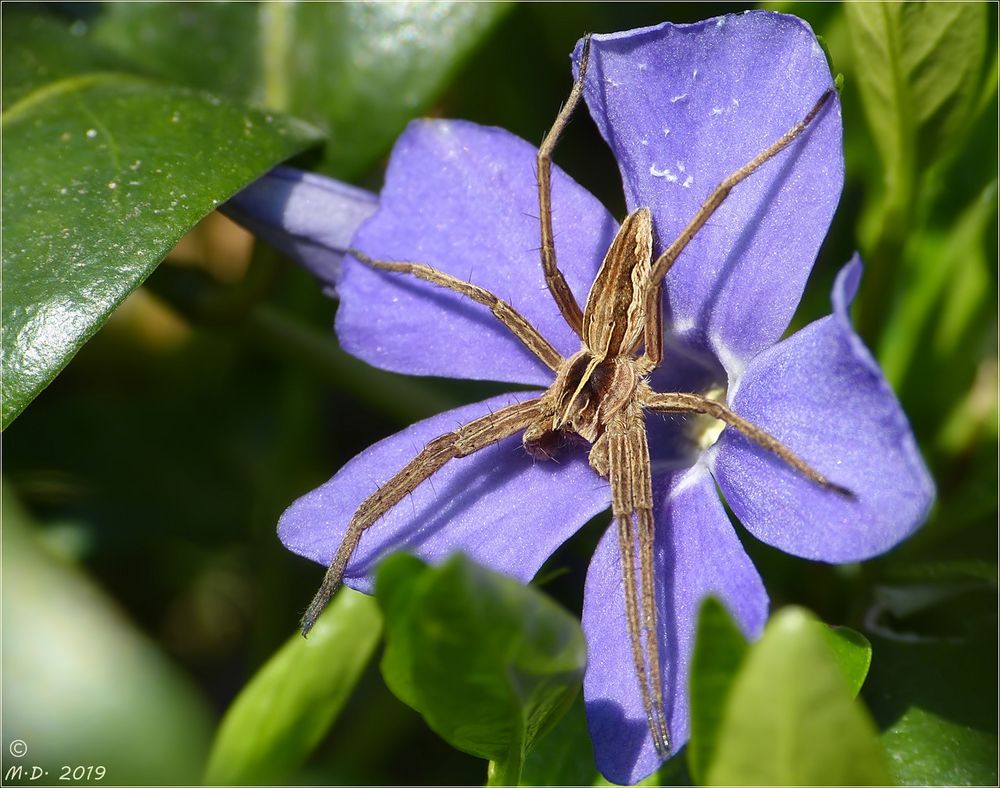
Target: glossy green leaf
{"x":920,"y":72}
{"x":81,"y":684}
{"x":718,"y":652}
{"x":490,"y":664}
{"x":287,"y":708}
{"x":791,"y":718}
{"x":935,"y":703}
{"x":102,"y":174}
{"x":852,"y":653}
{"x":361,"y":70}
{"x":39,"y":49}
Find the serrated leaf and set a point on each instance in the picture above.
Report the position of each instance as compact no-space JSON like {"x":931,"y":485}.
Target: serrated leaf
{"x":791,"y":718}
{"x":360,"y":70}
{"x":102,"y":175}
{"x":290,"y":704}
{"x":489,"y":663}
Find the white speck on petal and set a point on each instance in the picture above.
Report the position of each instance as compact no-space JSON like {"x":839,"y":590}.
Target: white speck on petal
{"x":644,"y":141}
{"x":611,"y":82}
{"x":694,"y":74}
{"x":816,"y":48}
{"x":91,"y":133}
{"x":643,"y":66}
{"x":736,"y":102}
{"x":664,"y":173}
{"x":716,"y":111}
{"x":687,"y":182}
{"x":666,"y":131}
{"x":681,"y":97}
{"x":720,"y":21}
{"x":680,"y":166}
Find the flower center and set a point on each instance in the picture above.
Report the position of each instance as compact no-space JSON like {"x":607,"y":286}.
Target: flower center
{"x":705,"y":430}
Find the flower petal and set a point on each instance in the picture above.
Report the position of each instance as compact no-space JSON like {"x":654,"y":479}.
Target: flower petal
{"x":463,"y":199}
{"x":309,"y":217}
{"x":499,"y":506}
{"x":685,"y":106}
{"x":697,"y":554}
{"x":822,"y":394}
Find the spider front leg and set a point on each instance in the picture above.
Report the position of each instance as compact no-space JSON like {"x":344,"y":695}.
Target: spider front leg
{"x":677,"y":402}
{"x":554,"y":278}
{"x":513,"y":320}
{"x":466,"y":440}
{"x":632,"y":506}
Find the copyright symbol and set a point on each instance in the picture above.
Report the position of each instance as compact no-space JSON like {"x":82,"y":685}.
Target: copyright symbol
{"x":18,"y":748}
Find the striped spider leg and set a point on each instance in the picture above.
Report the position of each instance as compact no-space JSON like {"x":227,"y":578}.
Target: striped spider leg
{"x":599,"y":393}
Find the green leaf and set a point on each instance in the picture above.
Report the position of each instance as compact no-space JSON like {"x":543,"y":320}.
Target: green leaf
{"x":935,"y":703}
{"x":81,"y":684}
{"x":39,"y":49}
{"x":949,"y":291}
{"x":851,"y":651}
{"x":564,"y":756}
{"x":102,"y":175}
{"x":287,"y":708}
{"x":791,"y":718}
{"x":920,"y":72}
{"x":360,"y":70}
{"x":718,"y":652}
{"x":490,"y":664}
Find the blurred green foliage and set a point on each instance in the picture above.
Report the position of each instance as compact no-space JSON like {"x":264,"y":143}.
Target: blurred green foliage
{"x":156,"y":464}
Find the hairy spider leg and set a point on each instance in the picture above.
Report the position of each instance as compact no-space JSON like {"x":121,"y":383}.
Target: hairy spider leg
{"x":467,"y":439}
{"x":710,"y":206}
{"x":677,"y":402}
{"x":632,"y":508}
{"x":554,"y":278}
{"x":529,"y":336}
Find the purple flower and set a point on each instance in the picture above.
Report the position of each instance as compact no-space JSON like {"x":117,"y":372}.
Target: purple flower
{"x":682,"y":106}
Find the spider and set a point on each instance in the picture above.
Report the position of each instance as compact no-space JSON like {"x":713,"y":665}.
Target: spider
{"x":599,"y":394}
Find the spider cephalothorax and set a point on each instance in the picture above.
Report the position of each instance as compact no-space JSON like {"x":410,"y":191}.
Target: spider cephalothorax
{"x":599,"y":395}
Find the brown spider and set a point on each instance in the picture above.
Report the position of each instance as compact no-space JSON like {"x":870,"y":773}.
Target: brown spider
{"x":599,"y":394}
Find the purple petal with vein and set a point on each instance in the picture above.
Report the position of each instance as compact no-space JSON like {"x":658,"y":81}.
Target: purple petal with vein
{"x":822,"y":394}
{"x":309,"y":217}
{"x":683,"y":107}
